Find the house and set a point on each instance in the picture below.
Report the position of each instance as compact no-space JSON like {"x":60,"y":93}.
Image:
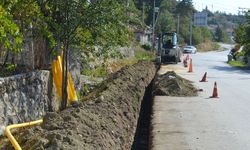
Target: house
{"x":144,"y":37}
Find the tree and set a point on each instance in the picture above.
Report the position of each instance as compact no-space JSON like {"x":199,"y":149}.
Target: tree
{"x":165,"y":22}
{"x":220,"y":35}
{"x":240,"y":34}
{"x":243,"y":34}
{"x":91,"y":25}
{"x":107,"y":29}
{"x":63,"y":18}
{"x":185,"y":8}
{"x":28,"y":18}
{"x":10,"y":36}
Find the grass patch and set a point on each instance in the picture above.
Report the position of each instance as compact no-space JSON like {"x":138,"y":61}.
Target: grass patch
{"x":208,"y":46}
{"x":238,"y":64}
{"x":144,"y":55}
{"x":139,"y":55}
{"x":215,"y":46}
{"x":113,"y":66}
{"x":100,"y":71}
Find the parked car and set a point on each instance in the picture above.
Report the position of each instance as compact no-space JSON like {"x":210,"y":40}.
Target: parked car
{"x":189,"y":49}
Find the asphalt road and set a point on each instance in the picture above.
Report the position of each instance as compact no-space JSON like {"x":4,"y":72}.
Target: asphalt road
{"x":202,"y":123}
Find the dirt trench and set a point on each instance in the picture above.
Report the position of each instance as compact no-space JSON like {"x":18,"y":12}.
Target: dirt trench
{"x":106,"y":119}
{"x":115,"y":116}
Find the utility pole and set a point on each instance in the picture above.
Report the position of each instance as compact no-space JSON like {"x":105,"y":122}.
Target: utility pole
{"x":143,"y":5}
{"x":190,"y":36}
{"x":153,"y":30}
{"x":178,"y":24}
{"x":32,"y":46}
{"x":242,"y":11}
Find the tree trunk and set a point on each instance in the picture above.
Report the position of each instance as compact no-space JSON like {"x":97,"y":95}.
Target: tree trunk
{"x":13,"y":58}
{"x":6,"y":58}
{"x":65,"y":61}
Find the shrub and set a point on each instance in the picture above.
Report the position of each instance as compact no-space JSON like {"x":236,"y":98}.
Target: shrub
{"x":144,"y":55}
{"x":147,"y":47}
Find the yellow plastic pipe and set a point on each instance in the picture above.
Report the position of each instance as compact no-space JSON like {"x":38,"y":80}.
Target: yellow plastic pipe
{"x":11,"y":137}
{"x":57,"y":77}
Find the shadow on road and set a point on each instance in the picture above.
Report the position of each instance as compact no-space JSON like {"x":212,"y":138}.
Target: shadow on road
{"x":228,"y":68}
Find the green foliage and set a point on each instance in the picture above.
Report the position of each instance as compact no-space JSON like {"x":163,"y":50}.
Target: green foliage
{"x":239,"y":64}
{"x":147,"y":47}
{"x":144,"y":55}
{"x":215,"y":46}
{"x":169,"y":5}
{"x":10,"y":68}
{"x":100,"y":71}
{"x":102,"y":30}
{"x":63,"y":18}
{"x":221,"y":35}
{"x":18,"y":19}
{"x":134,"y":15}
{"x":201,"y":34}
{"x":108,"y":28}
{"x":184,"y":28}
{"x":241,"y":53}
{"x":165,"y":22}
{"x":242,"y":35}
{"x":10,"y":36}
{"x":185,"y":8}
{"x":85,"y":89}
{"x":239,"y":34}
{"x":247,"y":49}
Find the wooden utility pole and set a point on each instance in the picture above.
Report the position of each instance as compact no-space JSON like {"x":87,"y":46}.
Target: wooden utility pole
{"x":191,"y":27}
{"x":143,"y":5}
{"x":153,"y":30}
{"x":178,"y":24}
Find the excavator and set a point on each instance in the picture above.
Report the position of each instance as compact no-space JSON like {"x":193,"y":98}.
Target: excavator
{"x":168,"y":50}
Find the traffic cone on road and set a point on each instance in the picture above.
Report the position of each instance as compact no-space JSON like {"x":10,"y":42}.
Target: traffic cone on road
{"x":190,"y":69}
{"x":215,"y":91}
{"x":204,"y":79}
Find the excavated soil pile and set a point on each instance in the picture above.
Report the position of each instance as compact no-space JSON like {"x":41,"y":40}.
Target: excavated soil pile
{"x":170,"y":84}
{"x":107,"y":120}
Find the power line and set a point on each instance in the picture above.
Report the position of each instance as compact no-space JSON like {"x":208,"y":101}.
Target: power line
{"x":215,"y":5}
{"x":242,"y":11}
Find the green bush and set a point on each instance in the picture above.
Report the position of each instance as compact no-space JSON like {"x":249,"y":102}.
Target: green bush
{"x":215,"y":46}
{"x":144,"y":55}
{"x":239,"y":64}
{"x":99,"y":71}
{"x":147,"y":47}
{"x":239,"y":54}
{"x":85,"y":89}
{"x":10,"y":68}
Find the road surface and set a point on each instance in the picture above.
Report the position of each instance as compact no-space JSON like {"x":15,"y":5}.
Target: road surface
{"x":202,"y":123}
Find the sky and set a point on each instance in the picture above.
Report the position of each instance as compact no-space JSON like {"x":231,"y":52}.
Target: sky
{"x":228,"y":6}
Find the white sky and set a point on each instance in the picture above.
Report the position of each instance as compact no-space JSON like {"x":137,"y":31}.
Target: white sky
{"x":228,"y":6}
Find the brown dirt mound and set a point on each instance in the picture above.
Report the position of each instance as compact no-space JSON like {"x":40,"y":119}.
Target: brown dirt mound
{"x":170,"y":84}
{"x":106,"y":121}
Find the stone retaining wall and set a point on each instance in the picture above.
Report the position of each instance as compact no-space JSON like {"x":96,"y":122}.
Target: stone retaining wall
{"x":24,"y":97}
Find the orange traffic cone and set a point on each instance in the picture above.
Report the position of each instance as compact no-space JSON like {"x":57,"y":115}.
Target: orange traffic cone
{"x":215,"y":91}
{"x":190,"y":69}
{"x":204,"y":79}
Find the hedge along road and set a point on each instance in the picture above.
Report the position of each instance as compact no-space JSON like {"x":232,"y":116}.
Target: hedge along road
{"x":201,"y":122}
